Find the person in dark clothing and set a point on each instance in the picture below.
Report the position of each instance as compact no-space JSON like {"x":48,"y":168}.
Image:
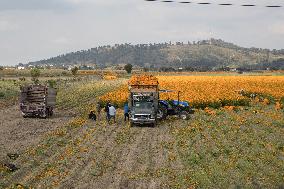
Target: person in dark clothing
{"x":107,"y":111}
{"x":99,"y":108}
{"x":92,"y":116}
{"x":126,"y":111}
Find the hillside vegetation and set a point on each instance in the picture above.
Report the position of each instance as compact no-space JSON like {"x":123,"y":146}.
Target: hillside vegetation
{"x":202,"y":55}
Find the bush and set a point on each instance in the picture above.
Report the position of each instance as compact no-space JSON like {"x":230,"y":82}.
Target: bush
{"x":282,"y":100}
{"x":74,"y":71}
{"x":128,"y":68}
{"x":2,"y":95}
{"x":51,"y":83}
{"x":35,"y":73}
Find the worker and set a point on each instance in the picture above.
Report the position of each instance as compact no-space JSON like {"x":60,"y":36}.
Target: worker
{"x":126,"y":111}
{"x":112,"y":112}
{"x":107,"y":112}
{"x":92,"y":116}
{"x":99,"y":108}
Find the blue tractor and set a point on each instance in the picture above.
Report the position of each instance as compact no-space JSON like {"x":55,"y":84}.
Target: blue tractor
{"x":176,"y":107}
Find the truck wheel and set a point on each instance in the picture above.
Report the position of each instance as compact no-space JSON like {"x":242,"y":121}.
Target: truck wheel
{"x":50,"y":112}
{"x":44,"y":115}
{"x":184,"y":115}
{"x":191,"y":111}
{"x":25,"y":116}
{"x":154,"y":124}
{"x":162,"y":113}
{"x":131,"y":124}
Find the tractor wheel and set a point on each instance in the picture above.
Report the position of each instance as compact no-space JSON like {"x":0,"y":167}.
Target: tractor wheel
{"x":44,"y":114}
{"x":50,"y":112}
{"x":184,"y":115}
{"x":162,"y":113}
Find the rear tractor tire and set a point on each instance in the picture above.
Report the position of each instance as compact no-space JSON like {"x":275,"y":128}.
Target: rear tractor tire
{"x":184,"y":115}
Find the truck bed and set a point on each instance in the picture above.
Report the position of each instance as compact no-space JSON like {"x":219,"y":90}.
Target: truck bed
{"x":38,"y":94}
{"x":37,"y":100}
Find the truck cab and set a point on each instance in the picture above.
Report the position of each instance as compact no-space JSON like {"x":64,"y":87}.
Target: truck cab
{"x":143,"y":100}
{"x":143,"y":108}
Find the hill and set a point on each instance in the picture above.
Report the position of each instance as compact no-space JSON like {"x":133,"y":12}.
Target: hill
{"x":201,"y":55}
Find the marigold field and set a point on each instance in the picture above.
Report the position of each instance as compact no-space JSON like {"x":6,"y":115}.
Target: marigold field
{"x":226,"y":147}
{"x":203,"y":91}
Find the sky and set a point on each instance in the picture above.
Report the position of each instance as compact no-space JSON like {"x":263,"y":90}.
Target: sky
{"x":32,"y":30}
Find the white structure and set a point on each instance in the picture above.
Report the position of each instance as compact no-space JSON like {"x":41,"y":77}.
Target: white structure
{"x":21,"y":68}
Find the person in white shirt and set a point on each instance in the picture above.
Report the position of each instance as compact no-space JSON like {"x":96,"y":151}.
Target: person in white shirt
{"x":112,"y":112}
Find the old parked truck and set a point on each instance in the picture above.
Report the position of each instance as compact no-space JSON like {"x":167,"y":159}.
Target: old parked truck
{"x":37,"y":101}
{"x":144,"y":100}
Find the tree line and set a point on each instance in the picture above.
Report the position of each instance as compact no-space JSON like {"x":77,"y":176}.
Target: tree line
{"x":201,"y":55}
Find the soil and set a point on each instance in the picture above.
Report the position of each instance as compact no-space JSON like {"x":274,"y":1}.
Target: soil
{"x":96,"y":155}
{"x":18,"y":133}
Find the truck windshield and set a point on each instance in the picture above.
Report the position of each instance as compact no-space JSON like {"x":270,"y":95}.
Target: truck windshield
{"x":143,"y":105}
{"x":143,"y":98}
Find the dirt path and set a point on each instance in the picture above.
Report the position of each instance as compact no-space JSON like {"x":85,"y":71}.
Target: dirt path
{"x":124,"y":157}
{"x":18,"y":133}
{"x":95,"y":155}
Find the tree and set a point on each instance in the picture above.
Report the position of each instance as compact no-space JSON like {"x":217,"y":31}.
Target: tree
{"x":51,"y":83}
{"x":74,"y":70}
{"x":35,"y":73}
{"x":128,"y":68}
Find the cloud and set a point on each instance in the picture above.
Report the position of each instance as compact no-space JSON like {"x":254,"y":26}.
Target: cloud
{"x":31,"y":30}
{"x":61,"y":41}
{"x":277,"y":29}
{"x":7,"y":26}
{"x":32,"y":4}
{"x":52,"y":4}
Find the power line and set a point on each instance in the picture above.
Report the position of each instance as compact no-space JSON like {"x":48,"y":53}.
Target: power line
{"x":208,"y":3}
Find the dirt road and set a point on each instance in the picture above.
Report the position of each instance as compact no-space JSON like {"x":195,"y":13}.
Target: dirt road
{"x":18,"y":133}
{"x":95,"y":155}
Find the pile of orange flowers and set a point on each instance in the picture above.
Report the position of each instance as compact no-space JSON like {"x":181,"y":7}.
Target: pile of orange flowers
{"x":143,"y":80}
